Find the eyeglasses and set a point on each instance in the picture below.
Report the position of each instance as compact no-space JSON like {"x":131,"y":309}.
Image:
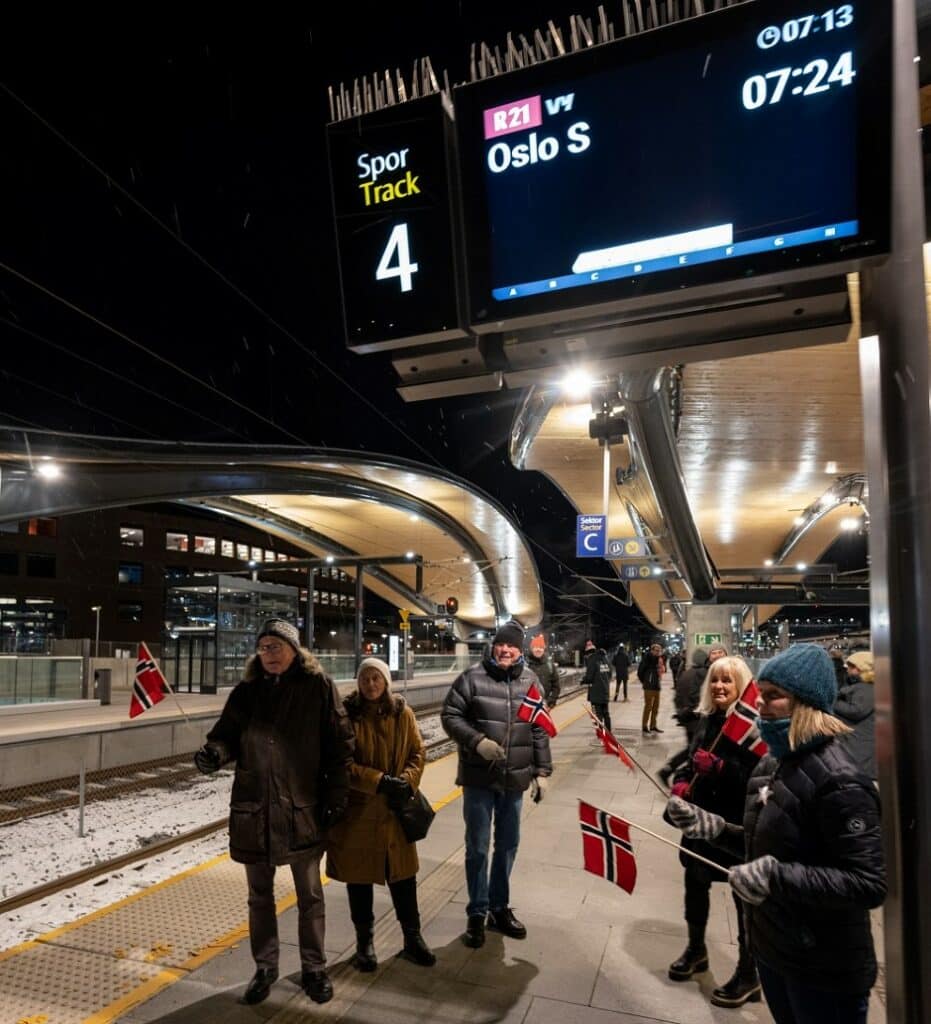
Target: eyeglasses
{"x":270,"y":649}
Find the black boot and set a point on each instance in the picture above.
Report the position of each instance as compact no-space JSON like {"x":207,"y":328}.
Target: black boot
{"x":415,"y":949}
{"x":694,"y":959}
{"x":475,"y":931}
{"x":365,"y":959}
{"x":744,"y":986}
{"x":258,"y":988}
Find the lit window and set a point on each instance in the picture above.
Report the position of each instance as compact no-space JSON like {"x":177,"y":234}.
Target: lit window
{"x":42,"y":528}
{"x":242,"y":552}
{"x":227,"y":549}
{"x":176,"y":542}
{"x":130,"y":572}
{"x":255,"y":554}
{"x":325,"y":597}
{"x":316,"y":597}
{"x":282,"y":557}
{"x":205,"y":545}
{"x":7,"y":600}
{"x":38,"y":600}
{"x":131,"y":536}
{"x":269,"y":556}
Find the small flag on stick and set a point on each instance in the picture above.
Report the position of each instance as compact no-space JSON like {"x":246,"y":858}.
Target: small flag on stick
{"x":149,"y":686}
{"x":533,"y":710}
{"x":612,"y":746}
{"x":741,"y":727}
{"x":606,"y":847}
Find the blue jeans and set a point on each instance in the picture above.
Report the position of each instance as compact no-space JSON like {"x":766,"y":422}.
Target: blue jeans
{"x":791,"y":1002}
{"x":479,"y":806}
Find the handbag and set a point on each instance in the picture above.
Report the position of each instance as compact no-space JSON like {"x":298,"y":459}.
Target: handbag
{"x":416,"y":815}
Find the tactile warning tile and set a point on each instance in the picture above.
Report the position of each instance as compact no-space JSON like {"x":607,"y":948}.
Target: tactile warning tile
{"x":58,"y":985}
{"x":176,"y":922}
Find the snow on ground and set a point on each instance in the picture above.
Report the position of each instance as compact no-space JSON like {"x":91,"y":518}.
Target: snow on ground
{"x":46,"y":847}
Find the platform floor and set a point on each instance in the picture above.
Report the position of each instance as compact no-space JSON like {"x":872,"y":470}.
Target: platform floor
{"x":177,"y":953}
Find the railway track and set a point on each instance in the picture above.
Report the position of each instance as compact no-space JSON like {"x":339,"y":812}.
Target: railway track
{"x":63,"y":793}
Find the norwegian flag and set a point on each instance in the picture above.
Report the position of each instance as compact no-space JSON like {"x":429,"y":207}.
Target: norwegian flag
{"x":612,"y":746}
{"x":149,"y":686}
{"x":606,"y":846}
{"x":741,"y":727}
{"x":533,"y":710}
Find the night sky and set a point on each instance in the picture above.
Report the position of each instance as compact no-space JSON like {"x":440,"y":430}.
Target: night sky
{"x":203,"y":305}
{"x":168,"y":257}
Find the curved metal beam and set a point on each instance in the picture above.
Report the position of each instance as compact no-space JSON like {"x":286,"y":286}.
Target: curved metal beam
{"x":851,"y":490}
{"x":255,"y":517}
{"x":654,"y":450}
{"x":116,"y":486}
{"x":527,"y":423}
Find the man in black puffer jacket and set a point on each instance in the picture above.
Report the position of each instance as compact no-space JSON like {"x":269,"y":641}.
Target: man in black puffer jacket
{"x":813,"y":847}
{"x":499,"y":758}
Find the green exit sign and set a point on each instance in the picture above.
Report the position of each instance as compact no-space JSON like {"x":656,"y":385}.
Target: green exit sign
{"x":707,"y":639}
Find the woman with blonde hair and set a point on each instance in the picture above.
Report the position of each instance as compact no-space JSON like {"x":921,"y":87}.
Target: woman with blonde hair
{"x":714,"y":777}
{"x":368,"y":846}
{"x":811,"y":836}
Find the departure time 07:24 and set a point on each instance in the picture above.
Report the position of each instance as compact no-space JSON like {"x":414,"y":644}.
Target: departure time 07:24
{"x":815,"y":77}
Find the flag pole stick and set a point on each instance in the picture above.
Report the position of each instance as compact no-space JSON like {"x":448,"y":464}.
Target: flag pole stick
{"x":598,"y":721}
{"x":676,"y":846}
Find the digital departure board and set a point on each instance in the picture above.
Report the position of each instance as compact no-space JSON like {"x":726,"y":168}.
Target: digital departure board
{"x":747,"y":142}
{"x":390,"y":177}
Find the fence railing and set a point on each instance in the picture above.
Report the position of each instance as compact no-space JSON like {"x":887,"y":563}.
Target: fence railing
{"x":34,"y":680}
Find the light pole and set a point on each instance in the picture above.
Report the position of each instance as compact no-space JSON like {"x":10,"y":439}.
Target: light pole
{"x":97,"y":608}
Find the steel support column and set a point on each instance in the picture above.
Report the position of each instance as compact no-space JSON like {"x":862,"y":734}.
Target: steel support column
{"x":895,"y":379}
{"x":360,"y":618}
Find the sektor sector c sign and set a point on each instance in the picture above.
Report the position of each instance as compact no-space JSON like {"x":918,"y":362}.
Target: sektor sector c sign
{"x":590,"y":534}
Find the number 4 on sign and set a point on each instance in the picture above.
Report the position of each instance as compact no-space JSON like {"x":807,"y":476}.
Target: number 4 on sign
{"x":398,"y":245}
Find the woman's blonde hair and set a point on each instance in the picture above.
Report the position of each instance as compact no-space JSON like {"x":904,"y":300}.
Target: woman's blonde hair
{"x":738,"y":670}
{"x":808,"y":723}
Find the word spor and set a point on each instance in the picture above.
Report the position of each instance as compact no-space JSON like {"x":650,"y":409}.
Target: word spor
{"x":502,"y":156}
{"x":373,"y":167}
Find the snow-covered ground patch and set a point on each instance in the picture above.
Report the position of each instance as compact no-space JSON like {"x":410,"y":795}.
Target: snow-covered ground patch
{"x":43,"y":848}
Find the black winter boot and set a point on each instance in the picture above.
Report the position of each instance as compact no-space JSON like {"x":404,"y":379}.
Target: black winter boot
{"x":743,"y":987}
{"x":365,"y":959}
{"x":694,"y":959}
{"x":415,"y":949}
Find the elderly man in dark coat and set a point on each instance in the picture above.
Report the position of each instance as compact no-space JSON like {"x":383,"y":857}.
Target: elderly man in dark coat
{"x":285,"y":727}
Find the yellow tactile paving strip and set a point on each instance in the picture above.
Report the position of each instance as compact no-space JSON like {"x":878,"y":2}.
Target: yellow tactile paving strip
{"x":97,"y":968}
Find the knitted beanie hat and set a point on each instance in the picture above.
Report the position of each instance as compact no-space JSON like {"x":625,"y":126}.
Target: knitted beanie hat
{"x":511,"y":633}
{"x":807,"y":672}
{"x":281,"y":629}
{"x":378,"y":665}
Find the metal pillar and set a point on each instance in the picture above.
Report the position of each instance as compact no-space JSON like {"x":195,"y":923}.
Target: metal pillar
{"x":360,"y":620}
{"x":309,"y":617}
{"x":895,"y":379}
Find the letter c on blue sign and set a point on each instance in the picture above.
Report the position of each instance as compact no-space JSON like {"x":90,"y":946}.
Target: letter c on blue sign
{"x":587,"y":538}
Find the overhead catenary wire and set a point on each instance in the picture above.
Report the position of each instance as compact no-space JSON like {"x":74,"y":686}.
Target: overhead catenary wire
{"x":113,"y":183}
{"x":123,"y":336}
{"x":118,"y":376}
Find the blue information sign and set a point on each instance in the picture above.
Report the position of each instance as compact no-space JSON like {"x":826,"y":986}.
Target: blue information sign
{"x":590,"y":533}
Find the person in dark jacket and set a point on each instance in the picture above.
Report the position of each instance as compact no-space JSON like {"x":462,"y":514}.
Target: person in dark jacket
{"x":500,"y":757}
{"x":541,"y":664}
{"x":285,"y":727}
{"x":597,"y":679}
{"x":676,"y":664}
{"x":687,"y":695}
{"x":648,"y":672}
{"x":812,"y":841}
{"x":855,"y":707}
{"x":621,"y":671}
{"x":715,"y":777}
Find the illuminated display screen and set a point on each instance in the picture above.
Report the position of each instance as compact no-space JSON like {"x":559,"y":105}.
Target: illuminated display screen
{"x":750,"y":141}
{"x":390,"y":179}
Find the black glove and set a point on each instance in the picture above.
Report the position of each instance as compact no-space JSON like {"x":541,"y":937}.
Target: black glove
{"x":397,"y":791}
{"x":207,"y":759}
{"x":331,"y":815}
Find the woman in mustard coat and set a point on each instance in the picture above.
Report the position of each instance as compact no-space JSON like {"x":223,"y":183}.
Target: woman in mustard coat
{"x":368,"y":845}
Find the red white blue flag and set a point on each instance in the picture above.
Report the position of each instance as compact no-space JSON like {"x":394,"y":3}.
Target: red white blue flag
{"x":741,"y":725}
{"x":612,"y":746}
{"x":149,"y":686}
{"x":606,"y":847}
{"x":533,"y":710}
